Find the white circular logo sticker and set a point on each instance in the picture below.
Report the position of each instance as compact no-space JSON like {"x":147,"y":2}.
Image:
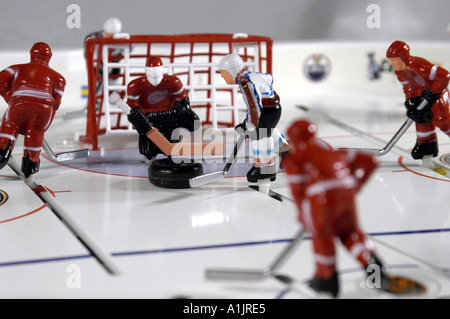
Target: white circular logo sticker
{"x":316,"y":67}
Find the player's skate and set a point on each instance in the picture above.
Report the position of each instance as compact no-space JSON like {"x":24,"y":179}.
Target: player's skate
{"x":264,"y":172}
{"x":5,"y":153}
{"x":325,"y":288}
{"x":423,"y":149}
{"x":29,"y":167}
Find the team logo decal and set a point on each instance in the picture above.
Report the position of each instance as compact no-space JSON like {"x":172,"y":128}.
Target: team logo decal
{"x":155,"y":97}
{"x":445,"y":159}
{"x":3,"y":197}
{"x":317,"y":67}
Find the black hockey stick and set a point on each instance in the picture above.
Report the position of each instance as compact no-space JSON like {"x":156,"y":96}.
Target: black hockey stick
{"x":218,"y":175}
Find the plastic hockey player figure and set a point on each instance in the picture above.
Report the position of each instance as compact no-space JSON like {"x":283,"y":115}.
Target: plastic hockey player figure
{"x":112,"y":28}
{"x":422,"y":80}
{"x":164,"y":101}
{"x":324,"y":183}
{"x":263,"y":114}
{"x":33,"y":92}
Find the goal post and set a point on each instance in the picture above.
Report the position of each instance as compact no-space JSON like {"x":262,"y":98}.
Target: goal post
{"x":113,"y":63}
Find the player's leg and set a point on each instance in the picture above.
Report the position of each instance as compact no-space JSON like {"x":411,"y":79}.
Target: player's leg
{"x":31,"y":151}
{"x":8,"y":136}
{"x":325,"y":278}
{"x":263,"y":160}
{"x":40,"y":118}
{"x":426,"y":143}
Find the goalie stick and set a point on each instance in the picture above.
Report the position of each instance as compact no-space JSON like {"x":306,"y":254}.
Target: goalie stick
{"x":269,"y":271}
{"x":169,"y":149}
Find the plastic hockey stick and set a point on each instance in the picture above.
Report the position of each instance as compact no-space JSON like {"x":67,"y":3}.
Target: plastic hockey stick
{"x":269,"y":271}
{"x":64,"y":156}
{"x":102,"y":256}
{"x":170,"y":149}
{"x":388,"y":147}
{"x":218,"y":175}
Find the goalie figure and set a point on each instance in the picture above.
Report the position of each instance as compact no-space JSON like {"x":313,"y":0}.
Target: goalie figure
{"x":422,"y":80}
{"x":164,"y":101}
{"x":263,"y":114}
{"x":33,"y":92}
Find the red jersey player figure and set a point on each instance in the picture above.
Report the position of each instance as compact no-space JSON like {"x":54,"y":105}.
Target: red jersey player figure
{"x":422,"y":80}
{"x":324,"y":183}
{"x":33,"y":92}
{"x":165,"y":102}
{"x":263,"y":114}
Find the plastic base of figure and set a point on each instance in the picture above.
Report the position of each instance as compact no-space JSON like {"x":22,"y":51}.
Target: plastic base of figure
{"x":167,"y":174}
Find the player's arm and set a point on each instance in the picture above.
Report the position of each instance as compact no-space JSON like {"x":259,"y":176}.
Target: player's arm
{"x":6,"y":78}
{"x":133,"y":94}
{"x":438,"y":76}
{"x":58,"y":91}
{"x":362,"y":166}
{"x":296,"y":176}
{"x":441,"y":79}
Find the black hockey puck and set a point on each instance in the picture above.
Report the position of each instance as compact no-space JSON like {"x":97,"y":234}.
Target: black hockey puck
{"x":167,"y":174}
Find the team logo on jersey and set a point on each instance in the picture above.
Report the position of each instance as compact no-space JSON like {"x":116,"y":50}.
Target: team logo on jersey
{"x":316,"y":67}
{"x":157,"y":96}
{"x":3,"y":197}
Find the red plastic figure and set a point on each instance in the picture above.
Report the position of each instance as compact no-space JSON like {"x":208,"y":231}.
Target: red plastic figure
{"x":165,"y":102}
{"x":422,"y":80}
{"x":263,"y":114}
{"x":324,"y":183}
{"x":33,"y":92}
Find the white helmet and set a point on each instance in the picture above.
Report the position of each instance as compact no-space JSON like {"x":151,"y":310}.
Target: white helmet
{"x":232,"y":63}
{"x":154,"y":70}
{"x":112,"y":26}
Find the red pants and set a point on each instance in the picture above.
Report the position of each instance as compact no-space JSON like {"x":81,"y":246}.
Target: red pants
{"x":426,"y":132}
{"x":330,"y":216}
{"x":30,"y":119}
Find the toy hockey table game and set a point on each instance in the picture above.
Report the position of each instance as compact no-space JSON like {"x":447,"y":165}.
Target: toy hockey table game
{"x":158,"y":243}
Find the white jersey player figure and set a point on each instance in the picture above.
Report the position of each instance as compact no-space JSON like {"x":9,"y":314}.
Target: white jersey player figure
{"x":111,"y":29}
{"x":263,"y":114}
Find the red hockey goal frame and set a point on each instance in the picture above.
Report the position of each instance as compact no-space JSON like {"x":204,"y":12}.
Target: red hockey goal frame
{"x":209,"y":48}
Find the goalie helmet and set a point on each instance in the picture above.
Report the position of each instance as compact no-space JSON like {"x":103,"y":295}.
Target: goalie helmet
{"x":154,"y":70}
{"x":232,"y":63}
{"x":40,"y":52}
{"x":112,"y":26}
{"x":399,"y":49}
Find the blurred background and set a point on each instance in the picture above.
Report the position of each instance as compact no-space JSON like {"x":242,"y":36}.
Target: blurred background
{"x":23,"y":22}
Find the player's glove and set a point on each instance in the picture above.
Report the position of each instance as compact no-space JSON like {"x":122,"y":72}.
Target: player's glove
{"x":241,"y":128}
{"x":424,"y":115}
{"x":431,"y":97}
{"x":140,"y":122}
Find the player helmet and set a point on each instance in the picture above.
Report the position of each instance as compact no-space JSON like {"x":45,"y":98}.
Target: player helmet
{"x":40,"y":52}
{"x":112,"y":26}
{"x":399,"y":49}
{"x":154,"y":70}
{"x":232,"y":63}
{"x":301,"y":132}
